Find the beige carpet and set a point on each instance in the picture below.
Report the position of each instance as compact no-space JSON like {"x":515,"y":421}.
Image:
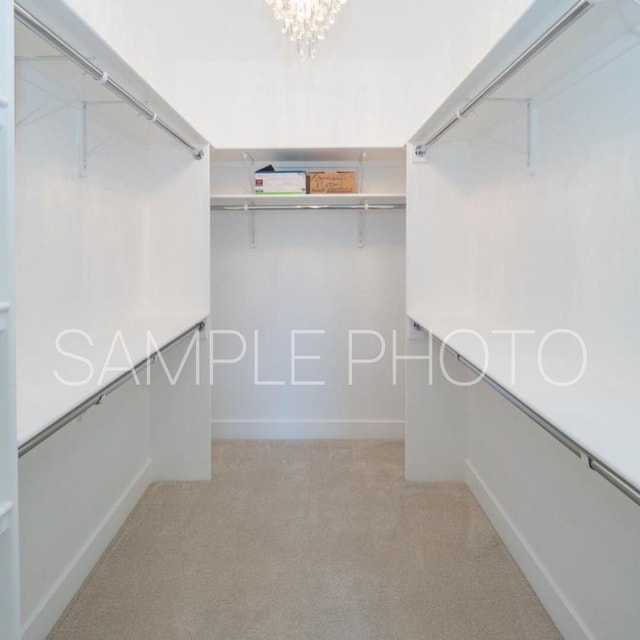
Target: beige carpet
{"x":299,"y":540}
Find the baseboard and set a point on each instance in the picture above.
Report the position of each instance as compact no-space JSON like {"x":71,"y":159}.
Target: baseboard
{"x":566,"y":618}
{"x":42,"y":620}
{"x":307,"y":429}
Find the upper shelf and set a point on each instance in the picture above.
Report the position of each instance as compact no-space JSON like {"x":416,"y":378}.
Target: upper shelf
{"x":597,"y":38}
{"x":394,"y":155}
{"x":381,"y":176}
{"x":42,"y":65}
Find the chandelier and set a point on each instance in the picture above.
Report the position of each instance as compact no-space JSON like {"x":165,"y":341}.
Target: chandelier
{"x":306,"y":21}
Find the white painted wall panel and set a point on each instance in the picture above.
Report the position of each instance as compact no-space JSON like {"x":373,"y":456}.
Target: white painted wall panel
{"x":490,"y":245}
{"x":573,"y":534}
{"x":436,"y":413}
{"x":113,"y":234}
{"x":76,"y":490}
{"x":180,"y":409}
{"x":307,"y":273}
{"x":121,"y":244}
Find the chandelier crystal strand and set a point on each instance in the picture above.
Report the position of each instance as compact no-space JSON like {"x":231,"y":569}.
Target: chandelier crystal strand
{"x":306,"y":21}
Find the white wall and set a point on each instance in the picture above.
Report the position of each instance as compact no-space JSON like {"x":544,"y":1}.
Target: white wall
{"x":436,"y":412}
{"x":121,"y":244}
{"x":179,"y":412}
{"x":490,"y":245}
{"x":548,"y":251}
{"x":78,"y":487}
{"x":382,"y":70}
{"x":76,"y":490}
{"x":117,"y":245}
{"x":572,"y":533}
{"x":575,"y":269}
{"x":307,"y":273}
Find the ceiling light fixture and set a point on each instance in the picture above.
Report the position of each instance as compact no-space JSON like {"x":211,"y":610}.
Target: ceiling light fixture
{"x":306,"y":21}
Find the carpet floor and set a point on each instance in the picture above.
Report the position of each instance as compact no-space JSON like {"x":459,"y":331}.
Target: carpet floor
{"x":306,"y":541}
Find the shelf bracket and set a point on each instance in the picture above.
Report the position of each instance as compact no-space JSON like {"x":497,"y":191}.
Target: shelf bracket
{"x":84,"y":151}
{"x":250,"y":164}
{"x":362,"y":224}
{"x":252,"y":225}
{"x":361,"y":162}
{"x":531,"y":113}
{"x":37,"y":114}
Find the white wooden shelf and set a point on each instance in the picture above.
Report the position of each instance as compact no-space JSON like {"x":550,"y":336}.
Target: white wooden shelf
{"x":239,"y":199}
{"x":599,"y":413}
{"x":43,"y":399}
{"x":311,"y":156}
{"x":604,"y":34}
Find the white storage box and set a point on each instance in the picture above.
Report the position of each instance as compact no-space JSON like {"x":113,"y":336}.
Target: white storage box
{"x":280,"y":182}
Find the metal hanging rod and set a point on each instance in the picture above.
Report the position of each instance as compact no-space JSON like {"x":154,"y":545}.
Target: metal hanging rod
{"x":303,"y":207}
{"x":39,"y":28}
{"x":102,"y":393}
{"x":591,"y":460}
{"x":576,"y":12}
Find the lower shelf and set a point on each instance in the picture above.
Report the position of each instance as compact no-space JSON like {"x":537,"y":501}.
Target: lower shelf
{"x":596,"y":417}
{"x":52,"y":385}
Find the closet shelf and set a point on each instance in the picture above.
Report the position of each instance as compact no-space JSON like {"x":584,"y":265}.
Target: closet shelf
{"x":597,"y":418}
{"x":601,"y":35}
{"x":312,"y":200}
{"x":86,"y":65}
{"x":45,"y":401}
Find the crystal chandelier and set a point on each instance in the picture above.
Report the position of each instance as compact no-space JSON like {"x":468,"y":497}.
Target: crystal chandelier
{"x":306,"y":21}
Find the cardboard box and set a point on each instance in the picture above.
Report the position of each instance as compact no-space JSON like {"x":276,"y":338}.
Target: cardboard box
{"x":280,"y":182}
{"x":332,"y":182}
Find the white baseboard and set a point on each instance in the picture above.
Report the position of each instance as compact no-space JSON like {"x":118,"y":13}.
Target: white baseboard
{"x":307,"y":429}
{"x":46,"y":614}
{"x":566,"y":618}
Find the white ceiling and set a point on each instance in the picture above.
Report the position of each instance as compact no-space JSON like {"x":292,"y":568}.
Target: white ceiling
{"x":247,"y":29}
{"x":227,"y":67}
